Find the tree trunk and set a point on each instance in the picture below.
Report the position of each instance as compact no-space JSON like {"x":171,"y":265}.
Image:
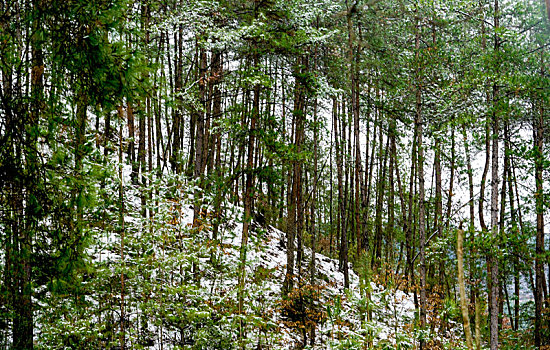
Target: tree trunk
{"x":462,"y":288}
{"x":380,"y":190}
{"x":538,"y":138}
{"x":421,"y":208}
{"x":494,"y":198}
{"x":515,"y":228}
{"x":314,"y":193}
{"x":340,"y":232}
{"x":217,"y":71}
{"x":409,"y":272}
{"x":299,"y":111}
{"x":288,"y":283}
{"x":391,"y":193}
{"x":131,"y":142}
{"x":296,"y":210}
{"x":175,"y":158}
{"x":248,"y":196}
{"x":200,"y":137}
{"x":438,"y":220}
{"x":122,"y":339}
{"x":355,"y":106}
{"x":23,"y":325}
{"x":346,"y":150}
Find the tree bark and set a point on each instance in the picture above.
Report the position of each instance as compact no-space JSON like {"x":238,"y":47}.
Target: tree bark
{"x":438,"y":220}
{"x":248,"y":197}
{"x":421,"y":206}
{"x":462,"y":288}
{"x":200,"y":136}
{"x":515,"y":228}
{"x":299,"y":111}
{"x":296,"y":210}
{"x":494,"y":197}
{"x":175,"y":158}
{"x":217,"y":71}
{"x":538,"y":140}
{"x":355,"y":108}
{"x":25,"y":206}
{"x":131,"y":142}
{"x":409,"y":272}
{"x":342,"y":237}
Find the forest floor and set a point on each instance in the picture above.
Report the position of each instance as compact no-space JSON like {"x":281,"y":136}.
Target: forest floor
{"x":364,"y":313}
{"x":181,"y":290}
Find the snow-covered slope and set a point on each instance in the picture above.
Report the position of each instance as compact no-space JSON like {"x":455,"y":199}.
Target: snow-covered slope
{"x":180,"y":290}
{"x":344,"y":322}
{"x":392,"y":310}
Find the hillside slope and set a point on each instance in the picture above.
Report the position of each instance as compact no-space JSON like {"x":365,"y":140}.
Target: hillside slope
{"x":166,"y":284}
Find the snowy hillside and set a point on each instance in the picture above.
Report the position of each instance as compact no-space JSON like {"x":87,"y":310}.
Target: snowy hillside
{"x":338,"y":316}
{"x":177,"y":288}
{"x":392,"y":310}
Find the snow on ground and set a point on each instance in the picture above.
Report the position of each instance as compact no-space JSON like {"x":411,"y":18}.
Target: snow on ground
{"x":392,"y":310}
{"x":388,"y":320}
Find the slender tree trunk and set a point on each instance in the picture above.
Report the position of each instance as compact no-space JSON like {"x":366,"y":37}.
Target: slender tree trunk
{"x":340,"y":232}
{"x":175,"y":158}
{"x":149,"y":114}
{"x":157,"y":108}
{"x":369,"y":176}
{"x":122,"y":339}
{"x":438,"y":220}
{"x":451,"y":180}
{"x":288,"y":283}
{"x":462,"y":288}
{"x":409,"y":272}
{"x":284,"y":138}
{"x":421,"y":208}
{"x":478,"y":324}
{"x":473,"y":267}
{"x":403,"y":206}
{"x":484,"y":177}
{"x":483,"y":182}
{"x":515,"y":228}
{"x":23,"y":325}
{"x":380,"y":189}
{"x":248,"y":196}
{"x":503,"y":283}
{"x":217,"y":70}
{"x":538,"y":138}
{"x":391,"y":193}
{"x":313,"y":213}
{"x":200,"y":136}
{"x":355,"y":106}
{"x":494,"y":230}
{"x":346,"y":151}
{"x":494,"y":198}
{"x":331,"y":192}
{"x":141,"y":166}
{"x":299,"y":111}
{"x":296,"y":217}
{"x":131,"y":142}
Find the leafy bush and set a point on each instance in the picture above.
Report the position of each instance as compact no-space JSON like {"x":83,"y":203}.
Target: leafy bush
{"x":301,"y":309}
